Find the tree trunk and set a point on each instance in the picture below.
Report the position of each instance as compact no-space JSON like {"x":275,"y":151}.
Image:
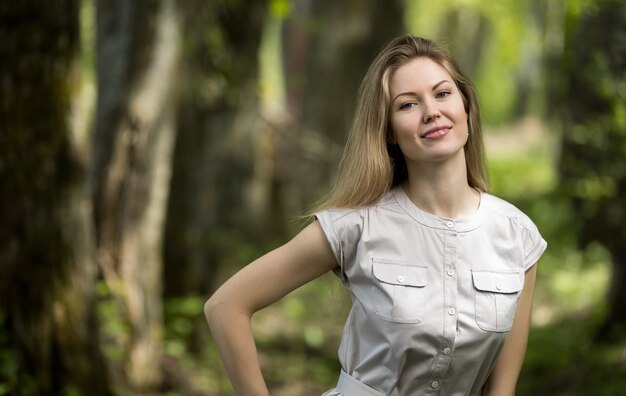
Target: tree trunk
{"x":593,"y":155}
{"x":328,"y":46}
{"x":210,"y":215}
{"x":466,"y":33}
{"x":48,"y":329}
{"x":137,"y":51}
{"x":350,"y":35}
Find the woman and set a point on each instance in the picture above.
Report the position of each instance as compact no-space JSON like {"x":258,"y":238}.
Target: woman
{"x":441,"y":273}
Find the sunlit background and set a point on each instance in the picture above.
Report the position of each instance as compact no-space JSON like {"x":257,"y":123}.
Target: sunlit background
{"x":150,"y":149}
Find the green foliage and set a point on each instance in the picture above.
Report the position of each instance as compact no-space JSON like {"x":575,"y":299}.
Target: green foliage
{"x":113,"y":325}
{"x":564,"y":359}
{"x":512,"y":48}
{"x":590,"y":265}
{"x":8,"y":362}
{"x":12,"y":382}
{"x":188,"y":345}
{"x":301,"y":333}
{"x":234,"y":248}
{"x":280,"y":8}
{"x":593,"y":157}
{"x":271,"y":73}
{"x":181,"y":316}
{"x":529,"y":174}
{"x":87,"y":33}
{"x":70,"y":391}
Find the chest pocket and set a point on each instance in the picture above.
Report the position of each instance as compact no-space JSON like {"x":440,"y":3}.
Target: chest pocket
{"x":400,"y":291}
{"x":496,"y":295}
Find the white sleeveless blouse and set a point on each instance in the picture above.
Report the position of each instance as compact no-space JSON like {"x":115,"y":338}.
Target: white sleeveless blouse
{"x":433,"y":299}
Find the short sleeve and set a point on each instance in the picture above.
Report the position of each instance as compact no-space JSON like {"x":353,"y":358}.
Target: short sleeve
{"x":533,"y":244}
{"x":343,"y":229}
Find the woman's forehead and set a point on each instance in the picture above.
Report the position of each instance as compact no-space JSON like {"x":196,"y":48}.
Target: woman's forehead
{"x":419,"y":72}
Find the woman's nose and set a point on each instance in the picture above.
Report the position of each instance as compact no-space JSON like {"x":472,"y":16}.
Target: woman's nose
{"x":431,"y":114}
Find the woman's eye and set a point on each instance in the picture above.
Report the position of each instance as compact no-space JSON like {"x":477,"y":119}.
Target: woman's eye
{"x":442,"y":94}
{"x":407,"y":106}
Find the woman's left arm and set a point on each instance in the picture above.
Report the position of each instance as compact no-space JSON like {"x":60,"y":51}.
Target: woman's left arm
{"x":503,"y":378}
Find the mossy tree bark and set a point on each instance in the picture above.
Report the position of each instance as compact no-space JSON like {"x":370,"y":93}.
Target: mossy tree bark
{"x":49,"y":341}
{"x":137,"y":56}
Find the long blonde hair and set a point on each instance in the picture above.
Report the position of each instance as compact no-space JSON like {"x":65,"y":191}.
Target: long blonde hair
{"x":371,"y":164}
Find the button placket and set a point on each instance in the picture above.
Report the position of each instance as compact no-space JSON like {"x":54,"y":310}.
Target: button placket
{"x":450,"y":291}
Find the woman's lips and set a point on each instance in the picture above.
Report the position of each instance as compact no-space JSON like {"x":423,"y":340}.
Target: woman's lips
{"x":436,"y":133}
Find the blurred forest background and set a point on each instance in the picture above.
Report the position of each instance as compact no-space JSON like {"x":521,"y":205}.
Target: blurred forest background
{"x":150,"y":148}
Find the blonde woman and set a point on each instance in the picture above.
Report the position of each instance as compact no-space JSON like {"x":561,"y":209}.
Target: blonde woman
{"x":440,"y":272}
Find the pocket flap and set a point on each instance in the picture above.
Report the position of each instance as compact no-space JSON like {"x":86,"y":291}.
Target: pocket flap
{"x":497,"y":281}
{"x":400,"y":274}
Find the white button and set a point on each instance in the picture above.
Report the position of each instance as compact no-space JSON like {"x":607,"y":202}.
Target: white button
{"x":498,"y":287}
{"x":400,"y":278}
{"x":446,"y":351}
{"x":434,"y":384}
{"x":451,"y":271}
{"x":451,"y":311}
{"x":450,"y":224}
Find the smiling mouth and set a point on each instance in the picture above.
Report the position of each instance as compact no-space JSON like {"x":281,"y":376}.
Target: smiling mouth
{"x":436,"y":132}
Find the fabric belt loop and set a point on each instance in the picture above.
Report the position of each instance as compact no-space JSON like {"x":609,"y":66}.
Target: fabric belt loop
{"x":349,"y":386}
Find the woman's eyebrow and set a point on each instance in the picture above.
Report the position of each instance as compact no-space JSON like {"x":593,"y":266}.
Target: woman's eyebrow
{"x":413,"y":93}
{"x":403,"y":93}
{"x":439,"y":83}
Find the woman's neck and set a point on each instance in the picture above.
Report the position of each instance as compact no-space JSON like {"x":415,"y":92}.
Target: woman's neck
{"x":442,"y":189}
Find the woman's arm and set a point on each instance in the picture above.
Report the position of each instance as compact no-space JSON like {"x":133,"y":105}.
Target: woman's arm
{"x":503,"y":378}
{"x":259,"y":284}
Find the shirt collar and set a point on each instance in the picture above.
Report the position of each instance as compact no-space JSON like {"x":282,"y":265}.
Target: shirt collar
{"x":460,"y":225}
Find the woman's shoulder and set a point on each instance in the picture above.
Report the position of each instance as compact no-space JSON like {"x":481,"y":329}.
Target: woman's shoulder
{"x":339,"y":214}
{"x":344,"y":213}
{"x":515,"y":222}
{"x":501,"y":208}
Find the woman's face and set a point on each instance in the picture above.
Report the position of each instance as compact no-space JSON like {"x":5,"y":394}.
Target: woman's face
{"x":428,"y":118}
